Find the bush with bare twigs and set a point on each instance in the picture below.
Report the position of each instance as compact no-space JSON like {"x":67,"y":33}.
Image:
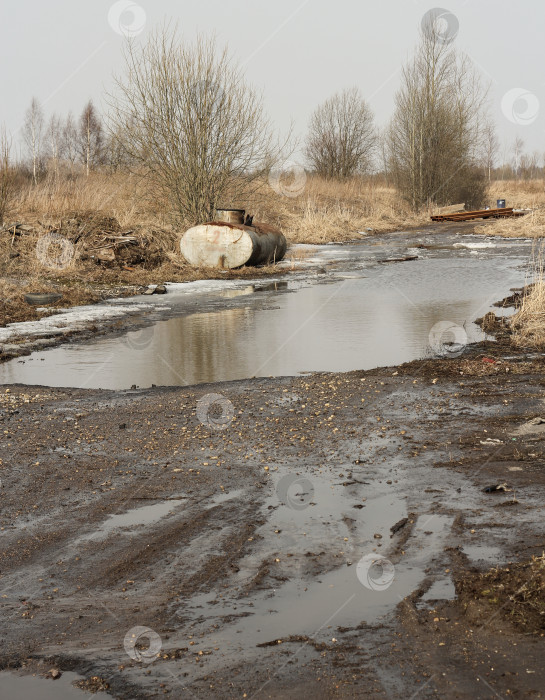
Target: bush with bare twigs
{"x":187,"y":120}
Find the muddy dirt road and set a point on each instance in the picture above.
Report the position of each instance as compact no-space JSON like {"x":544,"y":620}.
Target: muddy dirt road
{"x":311,"y":537}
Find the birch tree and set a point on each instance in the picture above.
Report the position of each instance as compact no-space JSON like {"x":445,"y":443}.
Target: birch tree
{"x":91,"y":138}
{"x":6,"y":174}
{"x":54,"y":138}
{"x":70,"y":141}
{"x":435,"y":134}
{"x":33,"y":132}
{"x":490,"y":147}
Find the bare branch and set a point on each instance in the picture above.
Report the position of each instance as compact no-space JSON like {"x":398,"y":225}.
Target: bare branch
{"x":184,"y":116}
{"x":342,"y":137}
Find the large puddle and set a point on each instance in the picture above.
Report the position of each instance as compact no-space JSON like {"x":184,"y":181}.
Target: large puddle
{"x":360,"y":314}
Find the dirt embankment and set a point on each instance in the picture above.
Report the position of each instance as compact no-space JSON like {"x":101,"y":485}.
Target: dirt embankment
{"x":261,"y":505}
{"x":87,"y":257}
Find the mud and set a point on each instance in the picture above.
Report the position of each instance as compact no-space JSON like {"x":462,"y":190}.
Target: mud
{"x":326,"y":535}
{"x":317,"y":536}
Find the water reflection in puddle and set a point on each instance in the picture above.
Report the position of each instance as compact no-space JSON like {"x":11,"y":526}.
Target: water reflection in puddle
{"x":142,"y":516}
{"x":440,"y":590}
{"x":384,"y":318}
{"x":136,"y":517}
{"x":482,"y":553}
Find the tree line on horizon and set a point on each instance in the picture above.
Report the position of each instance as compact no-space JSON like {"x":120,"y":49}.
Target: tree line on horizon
{"x":184,"y":117}
{"x":66,"y":143}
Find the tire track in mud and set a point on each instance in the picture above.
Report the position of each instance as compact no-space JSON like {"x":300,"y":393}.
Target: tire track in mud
{"x":206,"y":577}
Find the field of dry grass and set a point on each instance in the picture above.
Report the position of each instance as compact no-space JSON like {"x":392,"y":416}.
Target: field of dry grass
{"x":519,"y":195}
{"x":528,"y":324}
{"x":325,"y":210}
{"x":337,"y":211}
{"x":84,"y":210}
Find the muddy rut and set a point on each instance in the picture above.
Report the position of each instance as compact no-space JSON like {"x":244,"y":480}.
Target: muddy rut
{"x":301,"y":537}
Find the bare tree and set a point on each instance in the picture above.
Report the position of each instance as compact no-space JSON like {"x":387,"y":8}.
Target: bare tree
{"x":187,"y":119}
{"x":91,"y":139}
{"x":6,"y":174}
{"x":383,"y":155}
{"x":537,"y":165}
{"x":342,"y":137}
{"x":435,"y":133}
{"x":70,"y":141}
{"x":32,"y":131}
{"x":505,"y":167}
{"x":490,"y":147}
{"x":54,"y":138}
{"x":529,"y":165}
{"x":115,"y":154}
{"x":517,"y":149}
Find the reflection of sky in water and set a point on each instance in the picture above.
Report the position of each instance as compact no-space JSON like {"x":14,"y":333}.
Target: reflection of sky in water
{"x":382,"y":319}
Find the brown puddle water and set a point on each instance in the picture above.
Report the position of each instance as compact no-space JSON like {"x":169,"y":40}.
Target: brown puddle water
{"x":356,"y":318}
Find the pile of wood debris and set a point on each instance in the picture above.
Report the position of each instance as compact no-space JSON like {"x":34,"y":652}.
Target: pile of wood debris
{"x":99,"y":239}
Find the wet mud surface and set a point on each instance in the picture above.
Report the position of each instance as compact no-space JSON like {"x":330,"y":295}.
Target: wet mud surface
{"x":311,"y":537}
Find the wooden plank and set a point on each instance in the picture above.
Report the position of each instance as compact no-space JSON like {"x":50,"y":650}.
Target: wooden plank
{"x":480,"y":214}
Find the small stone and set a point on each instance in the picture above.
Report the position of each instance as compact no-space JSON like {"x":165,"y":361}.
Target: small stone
{"x":377,"y":536}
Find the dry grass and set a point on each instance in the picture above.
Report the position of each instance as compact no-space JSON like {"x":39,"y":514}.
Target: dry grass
{"x":528,"y":324}
{"x":325,"y":211}
{"x":337,"y":211}
{"x":531,"y":225}
{"x":118,"y":195}
{"x":13,"y":307}
{"x":519,"y":195}
{"x":81,"y":208}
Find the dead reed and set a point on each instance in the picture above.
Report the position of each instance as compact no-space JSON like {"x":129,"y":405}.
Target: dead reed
{"x":528,"y":324}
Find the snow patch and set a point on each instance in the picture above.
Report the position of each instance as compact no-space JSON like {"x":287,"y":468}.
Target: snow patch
{"x":77,"y":317}
{"x":484,"y":244}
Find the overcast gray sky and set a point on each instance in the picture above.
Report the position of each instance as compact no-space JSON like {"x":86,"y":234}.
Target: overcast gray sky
{"x":298,"y":51}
